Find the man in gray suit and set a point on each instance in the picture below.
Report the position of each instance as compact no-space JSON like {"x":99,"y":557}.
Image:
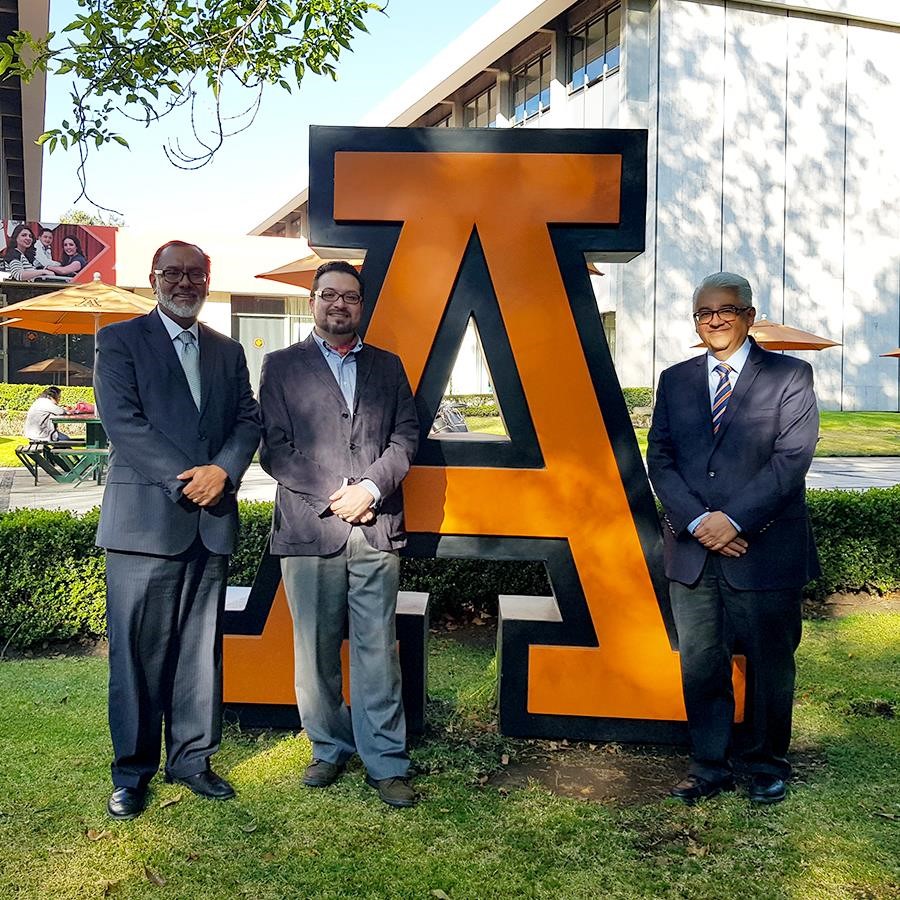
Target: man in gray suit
{"x":732,"y":439}
{"x":339,"y":433}
{"x":176,"y":403}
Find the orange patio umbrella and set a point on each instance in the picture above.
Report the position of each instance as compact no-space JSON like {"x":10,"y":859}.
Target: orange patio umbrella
{"x":76,"y":309}
{"x":892,"y":353}
{"x":300,"y":272}
{"x":775,"y":336}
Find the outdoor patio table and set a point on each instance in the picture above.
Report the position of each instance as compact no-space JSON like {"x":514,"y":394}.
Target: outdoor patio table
{"x":79,"y":463}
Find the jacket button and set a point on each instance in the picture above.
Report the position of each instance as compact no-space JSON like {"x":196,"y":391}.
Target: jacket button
{"x":201,"y":436}
{"x":711,"y":474}
{"x":353,"y":446}
{"x":345,"y":415}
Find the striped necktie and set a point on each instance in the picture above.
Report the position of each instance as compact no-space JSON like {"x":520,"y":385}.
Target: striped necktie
{"x":190,"y":362}
{"x":723,"y":392}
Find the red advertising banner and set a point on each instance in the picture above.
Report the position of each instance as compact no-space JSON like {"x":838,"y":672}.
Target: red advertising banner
{"x":57,"y":253}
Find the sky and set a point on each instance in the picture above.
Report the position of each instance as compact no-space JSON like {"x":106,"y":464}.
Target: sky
{"x":259,"y":170}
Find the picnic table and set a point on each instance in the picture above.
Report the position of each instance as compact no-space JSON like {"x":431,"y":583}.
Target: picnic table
{"x":69,"y":461}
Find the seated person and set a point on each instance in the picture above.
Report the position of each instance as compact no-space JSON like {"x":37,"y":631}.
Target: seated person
{"x":43,"y":253}
{"x":73,"y":259}
{"x":39,"y":418}
{"x":19,"y":256}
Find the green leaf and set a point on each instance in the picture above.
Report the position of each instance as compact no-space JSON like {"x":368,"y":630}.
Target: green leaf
{"x":120,"y":140}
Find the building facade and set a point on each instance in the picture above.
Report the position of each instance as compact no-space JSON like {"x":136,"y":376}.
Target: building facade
{"x":772,"y":152}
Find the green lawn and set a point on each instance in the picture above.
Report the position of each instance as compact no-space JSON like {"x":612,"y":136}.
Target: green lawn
{"x":841,"y":434}
{"x":837,"y":835}
{"x":8,"y":444}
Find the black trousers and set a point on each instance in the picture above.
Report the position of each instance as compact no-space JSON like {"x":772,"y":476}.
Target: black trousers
{"x":713,"y":620}
{"x":164,"y":616}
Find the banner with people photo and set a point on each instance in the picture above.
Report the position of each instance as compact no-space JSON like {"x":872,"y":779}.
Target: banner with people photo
{"x":54,"y":253}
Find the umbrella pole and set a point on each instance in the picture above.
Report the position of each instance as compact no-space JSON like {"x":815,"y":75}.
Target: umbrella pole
{"x":67,"y":360}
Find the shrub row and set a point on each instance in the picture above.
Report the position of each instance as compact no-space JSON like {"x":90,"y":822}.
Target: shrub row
{"x":486,"y":404}
{"x":51,"y":574}
{"x":20,"y":396}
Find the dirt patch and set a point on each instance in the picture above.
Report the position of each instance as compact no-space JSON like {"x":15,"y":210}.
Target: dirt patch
{"x":836,"y":606}
{"x":610,"y":774}
{"x":82,"y":646}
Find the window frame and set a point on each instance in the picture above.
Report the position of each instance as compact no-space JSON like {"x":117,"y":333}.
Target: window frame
{"x":543,"y":61}
{"x":472,"y":103}
{"x":581,"y":33}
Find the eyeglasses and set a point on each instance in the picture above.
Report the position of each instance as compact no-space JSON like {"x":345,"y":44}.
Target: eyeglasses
{"x":725,"y":314}
{"x":174,"y":276}
{"x":329,"y":295}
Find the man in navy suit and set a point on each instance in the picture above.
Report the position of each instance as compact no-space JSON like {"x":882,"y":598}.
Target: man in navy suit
{"x":176,"y":403}
{"x":732,"y":439}
{"x":339,"y":432}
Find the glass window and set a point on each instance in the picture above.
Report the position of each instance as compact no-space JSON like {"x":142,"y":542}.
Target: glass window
{"x":531,"y":89}
{"x":481,"y":111}
{"x":594,"y":48}
{"x":576,"y":60}
{"x":613,"y":29}
{"x":444,"y":123}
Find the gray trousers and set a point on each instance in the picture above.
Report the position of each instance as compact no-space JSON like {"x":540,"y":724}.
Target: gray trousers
{"x":712,"y":619}
{"x":358,"y":583}
{"x":164,"y":617}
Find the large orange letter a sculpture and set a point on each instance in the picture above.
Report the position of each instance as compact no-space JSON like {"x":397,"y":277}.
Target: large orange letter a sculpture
{"x":495,"y":225}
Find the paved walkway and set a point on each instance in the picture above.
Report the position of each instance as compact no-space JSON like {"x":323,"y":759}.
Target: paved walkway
{"x":17,"y":488}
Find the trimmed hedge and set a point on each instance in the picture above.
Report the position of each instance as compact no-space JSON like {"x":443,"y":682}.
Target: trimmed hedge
{"x":52,"y":575}
{"x":486,"y":404}
{"x":20,"y":396}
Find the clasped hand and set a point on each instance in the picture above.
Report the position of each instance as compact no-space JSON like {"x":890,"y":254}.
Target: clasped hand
{"x":716,"y":533}
{"x":205,"y":484}
{"x":353,"y":504}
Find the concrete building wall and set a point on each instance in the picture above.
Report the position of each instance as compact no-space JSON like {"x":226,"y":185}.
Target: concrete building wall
{"x":772,"y":153}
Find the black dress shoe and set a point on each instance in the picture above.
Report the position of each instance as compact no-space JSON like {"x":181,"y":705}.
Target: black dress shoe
{"x":206,"y":784}
{"x":126,"y":803}
{"x":694,"y":788}
{"x":766,"y":788}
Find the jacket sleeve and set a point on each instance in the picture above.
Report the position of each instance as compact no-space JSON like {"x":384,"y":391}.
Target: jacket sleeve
{"x":279,"y":455}
{"x":136,"y":440}
{"x":680,"y":504}
{"x":237,"y":452}
{"x":391,"y":467}
{"x":761,"y":498}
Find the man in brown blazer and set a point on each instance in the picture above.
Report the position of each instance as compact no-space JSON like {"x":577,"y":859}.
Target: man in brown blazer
{"x":339,"y":433}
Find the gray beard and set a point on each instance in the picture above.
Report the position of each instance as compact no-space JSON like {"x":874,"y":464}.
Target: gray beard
{"x":182,"y":310}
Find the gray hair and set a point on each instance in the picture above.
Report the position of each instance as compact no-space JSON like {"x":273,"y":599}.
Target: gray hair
{"x":727,"y":281}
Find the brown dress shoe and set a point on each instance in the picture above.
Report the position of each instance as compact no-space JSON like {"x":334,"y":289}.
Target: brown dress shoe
{"x":320,"y":774}
{"x":394,"y":791}
{"x":694,"y":788}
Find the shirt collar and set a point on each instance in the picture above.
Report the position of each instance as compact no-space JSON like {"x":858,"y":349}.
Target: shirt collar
{"x":323,"y":346}
{"x":737,"y":360}
{"x":175,"y":329}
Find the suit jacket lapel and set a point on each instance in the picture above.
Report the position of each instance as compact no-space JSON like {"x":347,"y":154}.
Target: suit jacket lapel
{"x":701,"y":398}
{"x":208,"y":353}
{"x":364,"y":360}
{"x":164,"y":349}
{"x":741,"y":388}
{"x":313,"y":359}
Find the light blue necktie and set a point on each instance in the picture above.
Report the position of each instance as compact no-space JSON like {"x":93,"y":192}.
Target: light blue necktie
{"x":190,"y":362}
